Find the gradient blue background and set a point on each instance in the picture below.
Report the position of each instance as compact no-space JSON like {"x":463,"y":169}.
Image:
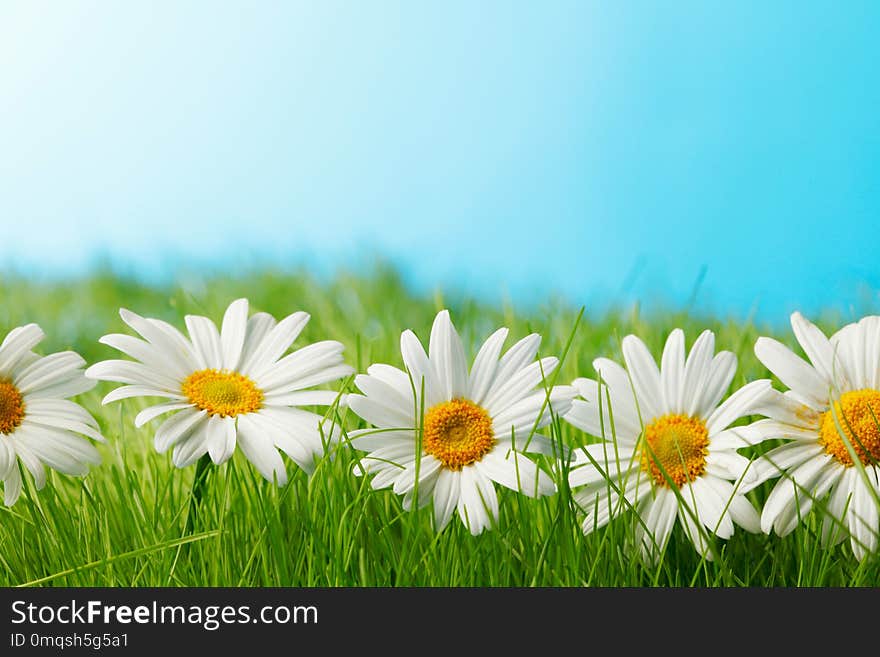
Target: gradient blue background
{"x":606,"y":151}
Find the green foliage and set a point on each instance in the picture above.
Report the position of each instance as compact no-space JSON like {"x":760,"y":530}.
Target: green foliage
{"x":125,"y":524}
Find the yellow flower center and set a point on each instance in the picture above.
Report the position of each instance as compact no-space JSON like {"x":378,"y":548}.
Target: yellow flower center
{"x":11,"y":407}
{"x":679,"y":444}
{"x":222,"y":393}
{"x":458,"y":433}
{"x":857,"y":413}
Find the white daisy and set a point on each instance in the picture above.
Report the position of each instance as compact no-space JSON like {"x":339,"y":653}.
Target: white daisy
{"x":229,"y":387}
{"x":38,"y":424}
{"x":476,"y":424}
{"x":664,"y":419}
{"x":836,"y":394}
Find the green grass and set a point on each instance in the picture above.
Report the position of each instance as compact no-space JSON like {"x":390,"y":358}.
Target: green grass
{"x":125,"y":523}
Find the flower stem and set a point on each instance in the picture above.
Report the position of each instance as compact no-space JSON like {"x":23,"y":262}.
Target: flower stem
{"x":203,"y":468}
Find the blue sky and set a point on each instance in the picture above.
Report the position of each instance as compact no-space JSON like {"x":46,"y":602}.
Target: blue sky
{"x":605,"y":151}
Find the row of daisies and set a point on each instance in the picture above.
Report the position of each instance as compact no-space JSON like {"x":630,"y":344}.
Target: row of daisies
{"x":448,"y":433}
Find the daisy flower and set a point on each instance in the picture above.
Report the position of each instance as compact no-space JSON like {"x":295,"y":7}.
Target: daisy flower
{"x":667,"y":452}
{"x":38,"y":424}
{"x":228,"y":387}
{"x":830,"y":414}
{"x":476,"y":427}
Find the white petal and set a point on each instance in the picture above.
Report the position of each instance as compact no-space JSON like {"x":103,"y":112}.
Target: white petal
{"x":516,"y":358}
{"x":306,"y":398}
{"x":474,"y":510}
{"x":60,"y":408}
{"x":126,"y":392}
{"x":258,"y":327}
{"x":722,"y":370}
{"x":734,"y":438}
{"x":126,"y":371}
{"x":405,"y":480}
{"x":325,"y":375}
{"x":394,"y":377}
{"x":300,"y":364}
{"x":428,"y":468}
{"x":711,"y":507}
{"x":849,"y":346}
{"x":738,"y":506}
{"x":378,"y":414}
{"x":7,"y":457}
{"x":298,"y":433}
{"x":611,"y":463}
{"x":602,"y":423}
{"x":666,"y":515}
{"x":645,"y":376}
{"x":785,"y":408}
{"x":816,"y":346}
{"x":603,"y":502}
{"x":783,"y":458}
{"x":47,"y":371}
{"x":420,"y":368}
{"x":232,"y":332}
{"x":221,"y":438}
{"x":191,"y":448}
{"x":59,"y":450}
{"x":152,"y":412}
{"x":177,"y":427}
{"x":397,"y":454}
{"x":276,"y":342}
{"x":167,"y":339}
{"x":862,"y":518}
{"x":42,"y":439}
{"x":519,"y":385}
{"x":658,"y":515}
{"x":517,"y":472}
{"x":672,"y":371}
{"x":792,"y":370}
{"x":447,"y":354}
{"x":149,"y":355}
{"x":384,"y":477}
{"x":599,"y":507}
{"x":738,"y":405}
{"x":533,"y":443}
{"x":64,"y":388}
{"x":260,"y":449}
{"x":872,"y":351}
{"x":371,"y":439}
{"x":12,"y":487}
{"x":744,"y":514}
{"x":206,"y":340}
{"x":63,"y":423}
{"x":694,"y":531}
{"x":387,"y":475}
{"x":532,"y":412}
{"x":427,"y":482}
{"x":587,"y":388}
{"x":623,"y":400}
{"x":697,"y":370}
{"x":792,"y":497}
{"x":17,"y":343}
{"x":30,"y":460}
{"x":834,"y":528}
{"x":790,"y":517}
{"x":734,"y":466}
{"x":387,"y":395}
{"x":768,"y":429}
{"x":482,"y":374}
{"x":446,"y":495}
